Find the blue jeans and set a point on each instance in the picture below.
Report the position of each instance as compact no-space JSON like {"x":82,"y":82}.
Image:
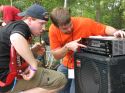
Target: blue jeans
{"x":70,"y":86}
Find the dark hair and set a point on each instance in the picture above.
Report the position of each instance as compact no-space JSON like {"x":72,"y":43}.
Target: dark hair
{"x":60,"y":16}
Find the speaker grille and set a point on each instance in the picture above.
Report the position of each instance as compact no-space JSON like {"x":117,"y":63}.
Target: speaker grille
{"x":89,"y":78}
{"x":99,"y":74}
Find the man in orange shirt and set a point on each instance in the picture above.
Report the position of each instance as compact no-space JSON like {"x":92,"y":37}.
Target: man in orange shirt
{"x":65,"y":33}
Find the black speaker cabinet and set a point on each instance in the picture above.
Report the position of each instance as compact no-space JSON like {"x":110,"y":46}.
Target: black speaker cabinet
{"x":99,"y":74}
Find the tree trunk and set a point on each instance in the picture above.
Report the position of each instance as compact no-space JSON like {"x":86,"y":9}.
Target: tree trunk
{"x":11,"y":2}
{"x":98,"y":11}
{"x":65,"y":3}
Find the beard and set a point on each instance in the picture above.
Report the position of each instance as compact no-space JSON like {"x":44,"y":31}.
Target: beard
{"x":69,"y":32}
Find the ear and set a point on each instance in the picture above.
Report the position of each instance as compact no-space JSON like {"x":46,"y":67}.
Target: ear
{"x":29,"y":20}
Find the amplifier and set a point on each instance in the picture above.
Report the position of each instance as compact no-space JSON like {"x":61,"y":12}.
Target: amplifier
{"x":108,"y":46}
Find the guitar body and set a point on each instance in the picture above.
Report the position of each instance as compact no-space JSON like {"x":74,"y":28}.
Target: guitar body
{"x":17,"y":66}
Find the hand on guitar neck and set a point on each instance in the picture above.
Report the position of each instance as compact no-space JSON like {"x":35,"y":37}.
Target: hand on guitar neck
{"x":38,"y":49}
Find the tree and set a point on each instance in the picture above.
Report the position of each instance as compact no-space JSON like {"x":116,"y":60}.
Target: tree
{"x":111,"y":12}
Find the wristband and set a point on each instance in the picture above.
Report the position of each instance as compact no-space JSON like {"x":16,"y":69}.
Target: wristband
{"x":33,"y":69}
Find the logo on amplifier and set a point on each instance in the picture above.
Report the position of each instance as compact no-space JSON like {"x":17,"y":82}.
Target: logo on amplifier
{"x":78,"y":63}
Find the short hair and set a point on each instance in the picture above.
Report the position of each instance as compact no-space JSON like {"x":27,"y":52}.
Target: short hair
{"x":60,"y":16}
{"x":25,"y":17}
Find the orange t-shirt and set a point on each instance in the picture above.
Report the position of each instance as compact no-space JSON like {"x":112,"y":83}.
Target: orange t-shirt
{"x":82,"y":27}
